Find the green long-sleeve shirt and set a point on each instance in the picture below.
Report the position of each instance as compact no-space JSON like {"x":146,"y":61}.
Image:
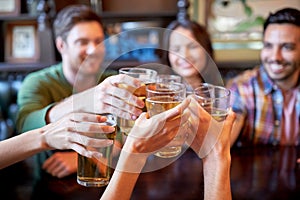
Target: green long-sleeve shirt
{"x":39,"y":91}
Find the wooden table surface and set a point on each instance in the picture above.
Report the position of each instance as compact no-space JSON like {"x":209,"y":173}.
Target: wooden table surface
{"x":256,"y":173}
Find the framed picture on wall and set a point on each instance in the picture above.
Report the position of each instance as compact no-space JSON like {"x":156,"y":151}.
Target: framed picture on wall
{"x":236,"y":27}
{"x":242,"y":20}
{"x":21,"y":42}
{"x":10,"y":7}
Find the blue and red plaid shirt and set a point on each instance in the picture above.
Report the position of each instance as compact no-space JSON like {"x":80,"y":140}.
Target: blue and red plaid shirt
{"x":256,"y":96}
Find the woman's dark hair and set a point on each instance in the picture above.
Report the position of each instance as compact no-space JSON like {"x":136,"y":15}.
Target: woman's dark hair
{"x":199,"y":32}
{"x":71,"y":15}
{"x":286,"y":15}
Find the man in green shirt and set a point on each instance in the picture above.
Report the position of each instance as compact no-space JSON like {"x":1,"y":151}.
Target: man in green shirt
{"x":72,"y":86}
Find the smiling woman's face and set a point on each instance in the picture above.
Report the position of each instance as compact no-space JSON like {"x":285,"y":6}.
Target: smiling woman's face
{"x":186,"y":55}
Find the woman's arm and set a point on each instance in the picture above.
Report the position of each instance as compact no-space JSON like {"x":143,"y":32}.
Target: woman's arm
{"x":20,"y":147}
{"x":146,"y":137}
{"x":67,"y":133}
{"x":216,"y":165}
{"x":210,"y":140}
{"x":125,"y":176}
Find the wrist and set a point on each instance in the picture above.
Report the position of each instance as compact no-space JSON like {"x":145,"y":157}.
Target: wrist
{"x":131,"y":162}
{"x":58,"y":109}
{"x":36,"y":140}
{"x":217,"y":159}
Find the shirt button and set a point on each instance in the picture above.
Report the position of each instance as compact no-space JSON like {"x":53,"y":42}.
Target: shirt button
{"x":277,"y":122}
{"x":278,"y":101}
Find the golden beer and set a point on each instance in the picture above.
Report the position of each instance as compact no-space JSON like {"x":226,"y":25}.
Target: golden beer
{"x":160,"y":98}
{"x":96,"y":172}
{"x":126,"y":124}
{"x":144,"y":75}
{"x":219,"y":114}
{"x":159,"y":104}
{"x":214,"y":99}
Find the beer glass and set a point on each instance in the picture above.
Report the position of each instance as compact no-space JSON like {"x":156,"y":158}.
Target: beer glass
{"x":214,"y":99}
{"x":162,"y":97}
{"x":92,"y":172}
{"x":146,"y":76}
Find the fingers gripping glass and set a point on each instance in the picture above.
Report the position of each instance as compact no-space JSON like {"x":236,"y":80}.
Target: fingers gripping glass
{"x":162,"y":97}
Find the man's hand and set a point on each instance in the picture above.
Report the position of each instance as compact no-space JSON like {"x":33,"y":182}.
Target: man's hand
{"x":61,"y":164}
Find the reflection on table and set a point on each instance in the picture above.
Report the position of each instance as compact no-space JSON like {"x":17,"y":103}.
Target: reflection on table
{"x":256,"y":173}
{"x":265,"y":173}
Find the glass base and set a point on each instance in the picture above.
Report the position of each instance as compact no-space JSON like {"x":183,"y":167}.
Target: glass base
{"x":168,"y":152}
{"x":93,"y":183}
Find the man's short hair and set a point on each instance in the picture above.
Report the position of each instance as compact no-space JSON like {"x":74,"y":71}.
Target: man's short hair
{"x":285,"y":15}
{"x":71,"y":15}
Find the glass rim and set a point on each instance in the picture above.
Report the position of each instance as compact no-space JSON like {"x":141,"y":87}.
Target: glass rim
{"x":168,"y":75}
{"x":167,"y":91}
{"x":168,"y":78}
{"x":226,"y":93}
{"x":145,"y":70}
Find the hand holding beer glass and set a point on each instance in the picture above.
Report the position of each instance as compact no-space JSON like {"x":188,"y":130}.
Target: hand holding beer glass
{"x":162,"y":97}
{"x":96,"y":172}
{"x":215,"y":100}
{"x":146,"y":76}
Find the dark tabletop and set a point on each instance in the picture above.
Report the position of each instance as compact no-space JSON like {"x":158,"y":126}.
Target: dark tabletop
{"x":256,"y":173}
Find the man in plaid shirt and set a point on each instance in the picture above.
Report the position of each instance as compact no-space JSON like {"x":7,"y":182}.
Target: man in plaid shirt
{"x":266,"y":99}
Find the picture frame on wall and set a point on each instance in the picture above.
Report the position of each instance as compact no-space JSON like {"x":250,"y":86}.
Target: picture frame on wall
{"x":10,"y":7}
{"x":236,"y":27}
{"x":21,"y":42}
{"x":242,"y":20}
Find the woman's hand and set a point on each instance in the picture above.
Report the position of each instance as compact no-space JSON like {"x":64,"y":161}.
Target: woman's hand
{"x":70,"y":133}
{"x":204,"y":131}
{"x":151,"y":134}
{"x":199,"y":121}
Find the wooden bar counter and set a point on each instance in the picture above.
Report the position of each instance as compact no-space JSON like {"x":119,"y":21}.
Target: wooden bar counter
{"x":256,"y":173}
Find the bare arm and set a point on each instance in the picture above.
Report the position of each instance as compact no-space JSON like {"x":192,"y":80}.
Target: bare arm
{"x":20,"y":147}
{"x":217,"y":178}
{"x":64,"y":134}
{"x":125,"y":176}
{"x":216,"y":165}
{"x":146,"y":137}
{"x":237,"y":127}
{"x":210,"y":140}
